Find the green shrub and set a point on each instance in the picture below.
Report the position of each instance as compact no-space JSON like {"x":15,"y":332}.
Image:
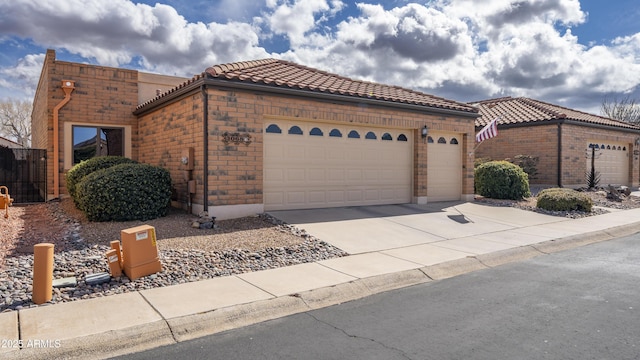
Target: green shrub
{"x":501,"y":180}
{"x":561,"y":199}
{"x":479,"y":161}
{"x":84,"y":168}
{"x":125,"y":192}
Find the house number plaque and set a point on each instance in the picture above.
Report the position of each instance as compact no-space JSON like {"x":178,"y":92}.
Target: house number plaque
{"x":236,"y":138}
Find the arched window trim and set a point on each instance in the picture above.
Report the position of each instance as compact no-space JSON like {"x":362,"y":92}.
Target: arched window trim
{"x":273,"y":129}
{"x":387,"y":137}
{"x":335,"y":133}
{"x":295,"y":130}
{"x":402,"y":137}
{"x":353,"y":135}
{"x":371,"y":136}
{"x":316,"y":132}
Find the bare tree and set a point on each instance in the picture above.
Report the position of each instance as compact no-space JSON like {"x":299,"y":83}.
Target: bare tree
{"x":625,"y":109}
{"x":15,"y":120}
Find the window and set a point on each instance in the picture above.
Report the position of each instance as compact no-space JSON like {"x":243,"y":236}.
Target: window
{"x":353,"y":135}
{"x":402,"y":137}
{"x":295,"y":130}
{"x":274,"y":129}
{"x":335,"y":133}
{"x":386,"y":136}
{"x":442,"y":140}
{"x":454,"y":141}
{"x":90,"y":142}
{"x":371,"y":136}
{"x":430,"y":140}
{"x":316,"y":132}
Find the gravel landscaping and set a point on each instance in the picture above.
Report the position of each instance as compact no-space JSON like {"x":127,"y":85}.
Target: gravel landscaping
{"x":187,"y":254}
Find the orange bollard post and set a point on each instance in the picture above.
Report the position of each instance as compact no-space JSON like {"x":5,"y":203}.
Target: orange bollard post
{"x":42,"y":273}
{"x":115,"y":245}
{"x":114,"y":265}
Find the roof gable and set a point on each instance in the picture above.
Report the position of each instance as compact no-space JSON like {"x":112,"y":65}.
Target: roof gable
{"x":523,"y":110}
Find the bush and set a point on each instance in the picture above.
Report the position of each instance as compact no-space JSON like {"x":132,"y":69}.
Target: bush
{"x":501,"y":180}
{"x":561,"y":199}
{"x":125,"y":192}
{"x":84,"y":168}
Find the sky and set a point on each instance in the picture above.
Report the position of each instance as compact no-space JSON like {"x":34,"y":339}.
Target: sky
{"x":568,"y":52}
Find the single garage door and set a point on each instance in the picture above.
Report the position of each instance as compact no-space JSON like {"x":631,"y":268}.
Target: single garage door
{"x":444,"y":167}
{"x":611,"y":161}
{"x":317,"y":165}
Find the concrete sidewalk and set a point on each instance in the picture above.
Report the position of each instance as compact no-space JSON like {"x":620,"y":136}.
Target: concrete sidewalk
{"x":391,"y":247}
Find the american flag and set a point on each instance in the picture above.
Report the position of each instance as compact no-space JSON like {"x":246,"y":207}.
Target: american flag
{"x":488,"y":131}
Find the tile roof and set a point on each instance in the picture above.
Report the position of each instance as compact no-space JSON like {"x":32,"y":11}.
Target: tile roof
{"x":525,"y":110}
{"x":285,"y":74}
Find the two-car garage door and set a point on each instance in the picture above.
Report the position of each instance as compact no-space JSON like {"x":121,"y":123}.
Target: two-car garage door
{"x":316,"y":165}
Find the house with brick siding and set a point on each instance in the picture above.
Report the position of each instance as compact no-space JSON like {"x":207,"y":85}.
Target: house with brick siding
{"x":252,"y":136}
{"x":563,"y":139}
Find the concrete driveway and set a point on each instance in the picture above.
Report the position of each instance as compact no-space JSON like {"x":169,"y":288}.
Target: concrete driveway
{"x":466,"y":227}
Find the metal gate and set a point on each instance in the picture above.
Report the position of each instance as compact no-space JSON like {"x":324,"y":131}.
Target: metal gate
{"x":24,"y":172}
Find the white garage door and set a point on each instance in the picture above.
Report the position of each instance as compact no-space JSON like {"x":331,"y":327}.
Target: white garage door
{"x":316,"y":165}
{"x":611,"y":161}
{"x":444,"y":167}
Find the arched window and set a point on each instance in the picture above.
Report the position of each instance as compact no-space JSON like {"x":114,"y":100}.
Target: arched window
{"x":430,"y":140}
{"x":453,"y":141}
{"x":624,"y":148}
{"x":316,"y":132}
{"x":273,"y":128}
{"x":295,"y":130}
{"x":353,"y":135}
{"x":402,"y":137}
{"x":335,"y":133}
{"x":442,"y":140}
{"x":371,"y":136}
{"x":386,"y":136}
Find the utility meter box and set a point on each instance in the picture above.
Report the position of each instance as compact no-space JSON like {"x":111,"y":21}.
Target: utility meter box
{"x":139,"y":251}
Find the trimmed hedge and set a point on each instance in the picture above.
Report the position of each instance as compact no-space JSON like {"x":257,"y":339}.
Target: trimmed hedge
{"x":501,"y":180}
{"x":562,"y":199}
{"x":84,"y":168}
{"x":125,"y":192}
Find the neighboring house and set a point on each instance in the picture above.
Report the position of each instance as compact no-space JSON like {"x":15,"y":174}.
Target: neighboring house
{"x":262,"y":135}
{"x":10,"y":143}
{"x":562,"y":139}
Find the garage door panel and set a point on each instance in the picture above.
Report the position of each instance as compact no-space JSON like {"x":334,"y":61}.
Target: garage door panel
{"x":273,"y":175}
{"x":611,"y":161}
{"x":324,"y":171}
{"x":444,"y":168}
{"x":354,"y":195}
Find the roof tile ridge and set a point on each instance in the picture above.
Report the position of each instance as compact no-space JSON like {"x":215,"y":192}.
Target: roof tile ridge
{"x":220,"y":69}
{"x":488,"y":101}
{"x":543,"y":107}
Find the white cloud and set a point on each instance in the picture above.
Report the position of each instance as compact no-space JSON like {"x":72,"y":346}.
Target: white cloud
{"x":460,"y":49}
{"x":26,"y":71}
{"x":117,"y":31}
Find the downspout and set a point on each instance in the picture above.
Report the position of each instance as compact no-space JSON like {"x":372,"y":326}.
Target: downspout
{"x":560,"y":154}
{"x":67,"y":87}
{"x":205,"y":148}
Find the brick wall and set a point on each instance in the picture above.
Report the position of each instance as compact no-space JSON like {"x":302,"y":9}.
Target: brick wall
{"x":235,"y":172}
{"x":542,"y":141}
{"x":103,"y":96}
